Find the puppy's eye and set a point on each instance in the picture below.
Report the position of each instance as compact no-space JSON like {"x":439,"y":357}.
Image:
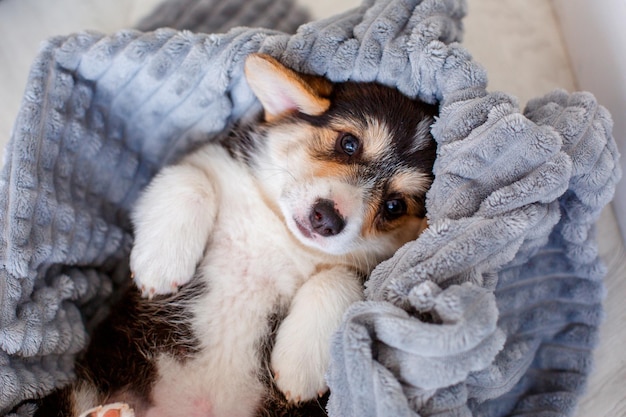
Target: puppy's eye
{"x":348,"y":144}
{"x":394,"y":208}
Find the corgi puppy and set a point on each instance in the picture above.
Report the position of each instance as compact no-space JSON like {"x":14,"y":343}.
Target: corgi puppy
{"x":249,"y":250}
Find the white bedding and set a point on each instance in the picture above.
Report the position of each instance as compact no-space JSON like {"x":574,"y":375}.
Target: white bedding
{"x":518,"y":41}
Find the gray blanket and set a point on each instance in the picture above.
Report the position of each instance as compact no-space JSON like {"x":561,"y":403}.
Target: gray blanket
{"x":493,"y":311}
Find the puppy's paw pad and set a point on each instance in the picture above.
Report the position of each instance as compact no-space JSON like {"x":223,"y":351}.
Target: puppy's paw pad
{"x":153,"y":283}
{"x":300,"y":385}
{"x":298,"y":365}
{"x":159,"y":271}
{"x":149,"y":293}
{"x":110,"y":410}
{"x":291,"y":399}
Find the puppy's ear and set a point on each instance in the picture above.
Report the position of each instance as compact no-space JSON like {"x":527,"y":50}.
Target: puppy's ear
{"x":281,"y":90}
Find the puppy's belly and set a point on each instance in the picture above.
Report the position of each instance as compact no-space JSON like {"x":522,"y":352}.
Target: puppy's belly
{"x":252,"y":270}
{"x":191,"y":390}
{"x":223,"y":378}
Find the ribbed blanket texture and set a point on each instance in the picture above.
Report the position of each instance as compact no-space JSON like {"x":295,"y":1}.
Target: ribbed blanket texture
{"x":492,"y":311}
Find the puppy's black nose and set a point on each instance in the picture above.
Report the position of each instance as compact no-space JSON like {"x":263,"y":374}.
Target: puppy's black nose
{"x":325,"y":219}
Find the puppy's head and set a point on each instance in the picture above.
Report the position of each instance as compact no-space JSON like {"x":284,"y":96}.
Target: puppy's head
{"x":347,"y":164}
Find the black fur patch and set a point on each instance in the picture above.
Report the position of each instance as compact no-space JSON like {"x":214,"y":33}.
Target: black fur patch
{"x":121,"y":354}
{"x":57,"y":404}
{"x":275,"y":405}
{"x":401,"y":115}
{"x":134,"y":334}
{"x":239,"y":142}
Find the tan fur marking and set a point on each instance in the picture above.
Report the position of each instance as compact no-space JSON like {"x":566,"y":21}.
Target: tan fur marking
{"x":321,"y":86}
{"x":376,"y":139}
{"x":400,"y":231}
{"x":370,"y":222}
{"x":324,"y":169}
{"x":410,"y":182}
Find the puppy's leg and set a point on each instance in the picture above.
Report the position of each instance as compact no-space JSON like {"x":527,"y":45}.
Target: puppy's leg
{"x":302,"y":350}
{"x":173,"y":220}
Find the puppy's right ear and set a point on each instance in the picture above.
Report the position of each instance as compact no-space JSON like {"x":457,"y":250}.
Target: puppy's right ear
{"x":281,"y":90}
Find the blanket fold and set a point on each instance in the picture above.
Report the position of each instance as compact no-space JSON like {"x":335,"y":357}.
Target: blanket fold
{"x":518,"y":205}
{"x":493,"y":311}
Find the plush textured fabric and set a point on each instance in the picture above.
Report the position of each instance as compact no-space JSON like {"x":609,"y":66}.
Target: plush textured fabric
{"x":493,"y":311}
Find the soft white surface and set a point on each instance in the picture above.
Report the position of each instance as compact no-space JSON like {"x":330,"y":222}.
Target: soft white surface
{"x":597,"y":49}
{"x":518,"y":41}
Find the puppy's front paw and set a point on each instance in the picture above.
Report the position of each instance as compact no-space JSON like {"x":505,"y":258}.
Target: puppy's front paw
{"x":299,"y":366}
{"x":110,"y":410}
{"x":298,"y":378}
{"x":159,"y":267}
{"x":173,"y":219}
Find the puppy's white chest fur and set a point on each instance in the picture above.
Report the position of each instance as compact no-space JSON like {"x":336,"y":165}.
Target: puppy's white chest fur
{"x":250,"y":250}
{"x":253,"y":268}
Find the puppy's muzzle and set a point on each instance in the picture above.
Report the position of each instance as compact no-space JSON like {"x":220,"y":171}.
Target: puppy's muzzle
{"x":325,"y":219}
